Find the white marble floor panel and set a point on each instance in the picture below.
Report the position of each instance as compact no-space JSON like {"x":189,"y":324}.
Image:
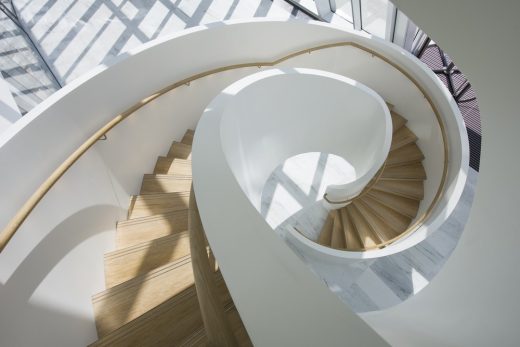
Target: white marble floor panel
{"x":291,"y":198}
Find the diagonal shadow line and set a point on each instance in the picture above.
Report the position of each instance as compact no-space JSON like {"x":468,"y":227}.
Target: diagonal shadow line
{"x":318,"y":176}
{"x":124,"y":312}
{"x":231,"y":9}
{"x":74,"y":31}
{"x":53,"y":25}
{"x":129,"y":23}
{"x":39,"y":14}
{"x":57,"y":244}
{"x":265,"y":205}
{"x":161,"y":25}
{"x":87,"y":48}
{"x":263,"y":8}
{"x":199,"y":13}
{"x":297,"y":193}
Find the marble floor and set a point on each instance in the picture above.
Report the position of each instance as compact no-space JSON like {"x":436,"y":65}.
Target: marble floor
{"x":76,"y":36}
{"x":291,"y":197}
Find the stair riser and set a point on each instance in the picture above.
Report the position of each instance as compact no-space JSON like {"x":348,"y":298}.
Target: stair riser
{"x":161,"y":185}
{"x":126,"y":264}
{"x":148,"y":205}
{"x":145,"y":229}
{"x":119,"y":305}
{"x":171,"y":166}
{"x":180,"y":150}
{"x":169,"y":324}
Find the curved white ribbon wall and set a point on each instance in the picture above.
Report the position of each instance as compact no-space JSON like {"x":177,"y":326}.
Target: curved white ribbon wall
{"x":269,"y":284}
{"x":272,"y":115}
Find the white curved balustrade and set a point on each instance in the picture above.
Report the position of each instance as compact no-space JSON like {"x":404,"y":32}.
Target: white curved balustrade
{"x":262,"y":273}
{"x":278,"y":113}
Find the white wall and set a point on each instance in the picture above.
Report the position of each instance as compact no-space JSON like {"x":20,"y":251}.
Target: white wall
{"x":474,"y":300}
{"x":275,"y":114}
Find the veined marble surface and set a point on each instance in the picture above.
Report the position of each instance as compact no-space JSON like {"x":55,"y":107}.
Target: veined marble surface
{"x":291,"y":198}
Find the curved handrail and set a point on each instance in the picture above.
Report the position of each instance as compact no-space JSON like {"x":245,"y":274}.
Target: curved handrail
{"x":365,"y":190}
{"x":22,"y":214}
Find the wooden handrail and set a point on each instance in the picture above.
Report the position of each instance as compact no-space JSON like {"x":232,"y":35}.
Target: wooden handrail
{"x":365,"y":190}
{"x":38,"y":195}
{"x":216,"y":324}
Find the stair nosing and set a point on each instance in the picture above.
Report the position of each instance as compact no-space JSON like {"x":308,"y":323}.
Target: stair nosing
{"x":398,"y":212}
{"x":398,"y":194}
{"x":381,"y":239}
{"x":153,"y":217}
{"x":142,"y":278}
{"x":371,"y":210}
{"x":370,"y":226}
{"x":389,"y":206}
{"x":143,"y":245}
{"x":151,"y":314}
{"x":169,"y":177}
{"x":158,"y":195}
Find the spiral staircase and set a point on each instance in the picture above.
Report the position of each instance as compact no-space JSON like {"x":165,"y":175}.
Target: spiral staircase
{"x":152,"y":294}
{"x":386,"y":207}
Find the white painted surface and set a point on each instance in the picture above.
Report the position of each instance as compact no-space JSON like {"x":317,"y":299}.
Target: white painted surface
{"x":99,"y":185}
{"x":9,"y":112}
{"x":275,"y":114}
{"x":474,"y":300}
{"x":276,"y":295}
{"x":300,"y":183}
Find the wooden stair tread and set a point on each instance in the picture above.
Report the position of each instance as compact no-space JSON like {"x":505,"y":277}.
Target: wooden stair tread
{"x":160,"y":183}
{"x":414,"y":171}
{"x":405,"y":155}
{"x":402,"y":137}
{"x":168,"y":324}
{"x":379,"y":226}
{"x":405,"y":206}
{"x":325,"y":236}
{"x":118,"y":305}
{"x":338,"y":238}
{"x":367,"y":237}
{"x":406,"y":188}
{"x":398,"y":121}
{"x":397,"y":221}
{"x":137,"y":230}
{"x":180,"y":150}
{"x":352,"y":241}
{"x":172,"y":166}
{"x":159,"y":203}
{"x":127,"y":263}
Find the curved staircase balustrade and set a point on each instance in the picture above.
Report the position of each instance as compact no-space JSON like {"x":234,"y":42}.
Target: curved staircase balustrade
{"x":214,"y":317}
{"x":22,"y":214}
{"x":265,"y":294}
{"x":361,"y":193}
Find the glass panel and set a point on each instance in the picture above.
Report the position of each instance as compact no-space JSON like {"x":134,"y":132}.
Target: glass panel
{"x":344,"y":9}
{"x":22,"y":68}
{"x":373,"y":16}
